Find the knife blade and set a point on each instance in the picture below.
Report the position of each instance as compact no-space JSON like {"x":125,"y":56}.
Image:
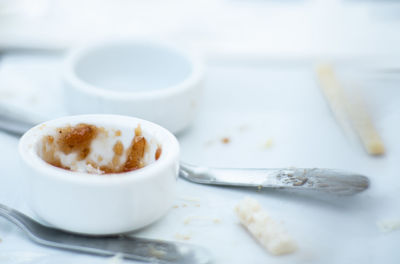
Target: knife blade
{"x":314,"y":179}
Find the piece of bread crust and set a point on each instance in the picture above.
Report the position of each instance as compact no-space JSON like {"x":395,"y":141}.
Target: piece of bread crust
{"x":269,"y":234}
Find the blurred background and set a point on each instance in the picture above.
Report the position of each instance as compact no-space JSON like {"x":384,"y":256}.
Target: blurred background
{"x":260,"y":58}
{"x":287,"y":29}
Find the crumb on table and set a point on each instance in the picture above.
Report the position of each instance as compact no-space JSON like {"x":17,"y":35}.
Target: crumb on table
{"x":216,"y":220}
{"x":225,"y":140}
{"x":182,"y":236}
{"x":268,"y":144}
{"x":389,"y":225}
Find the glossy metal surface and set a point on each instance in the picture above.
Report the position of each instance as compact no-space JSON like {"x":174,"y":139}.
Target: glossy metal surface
{"x":141,"y":249}
{"x":13,"y":125}
{"x":321,"y":180}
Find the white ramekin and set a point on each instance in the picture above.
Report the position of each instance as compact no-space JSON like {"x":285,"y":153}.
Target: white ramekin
{"x":146,"y":79}
{"x":101,"y":204}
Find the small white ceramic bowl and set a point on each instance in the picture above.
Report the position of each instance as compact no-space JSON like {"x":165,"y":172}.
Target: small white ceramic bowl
{"x":146,"y":79}
{"x":101,"y":204}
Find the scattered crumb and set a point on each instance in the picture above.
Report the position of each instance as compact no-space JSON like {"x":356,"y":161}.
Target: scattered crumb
{"x":388,"y":225}
{"x":268,"y":144}
{"x":182,"y":236}
{"x":187,"y":205}
{"x":118,"y":133}
{"x":189,"y":199}
{"x":269,"y":233}
{"x":187,"y":220}
{"x":190,"y":219}
{"x":225,"y":140}
{"x":216,"y":221}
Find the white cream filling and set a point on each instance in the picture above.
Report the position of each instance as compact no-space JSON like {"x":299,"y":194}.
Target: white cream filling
{"x":102,"y":153}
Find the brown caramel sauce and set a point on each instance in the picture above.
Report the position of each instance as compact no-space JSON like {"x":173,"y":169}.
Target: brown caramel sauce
{"x":78,"y":140}
{"x":135,"y":154}
{"x":118,"y":148}
{"x":158,"y":152}
{"x":48,"y":152}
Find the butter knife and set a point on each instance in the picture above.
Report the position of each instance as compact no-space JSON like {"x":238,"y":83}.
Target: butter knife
{"x":316,"y":179}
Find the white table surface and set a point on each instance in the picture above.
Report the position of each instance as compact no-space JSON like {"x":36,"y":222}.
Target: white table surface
{"x":250,"y":105}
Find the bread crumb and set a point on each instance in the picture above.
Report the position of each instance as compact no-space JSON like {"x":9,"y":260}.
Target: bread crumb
{"x":350,"y":112}
{"x":225,"y":140}
{"x":187,"y":220}
{"x":216,"y":221}
{"x":183,"y":236}
{"x":189,"y":199}
{"x":269,"y":233}
{"x":268,"y":144}
{"x":388,"y":225}
{"x":203,"y":219}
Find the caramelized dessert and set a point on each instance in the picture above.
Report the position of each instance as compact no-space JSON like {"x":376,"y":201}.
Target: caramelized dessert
{"x":88,"y":148}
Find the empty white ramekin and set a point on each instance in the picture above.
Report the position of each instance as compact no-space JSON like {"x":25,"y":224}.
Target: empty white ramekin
{"x":101,"y":204}
{"x":146,"y":79}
